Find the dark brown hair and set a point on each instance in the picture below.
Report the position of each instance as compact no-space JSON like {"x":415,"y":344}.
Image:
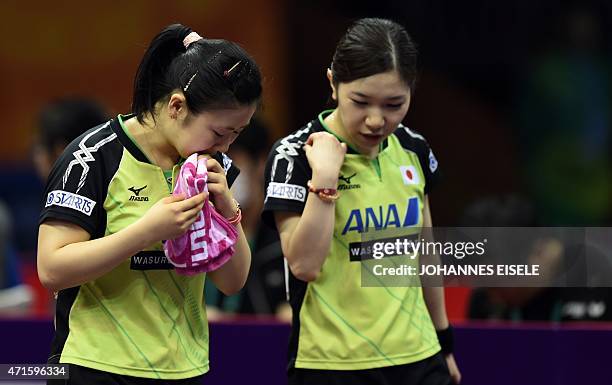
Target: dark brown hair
{"x":211,"y":73}
{"x":371,"y":46}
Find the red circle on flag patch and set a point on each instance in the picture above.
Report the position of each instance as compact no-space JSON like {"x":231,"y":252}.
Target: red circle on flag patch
{"x":409,"y":174}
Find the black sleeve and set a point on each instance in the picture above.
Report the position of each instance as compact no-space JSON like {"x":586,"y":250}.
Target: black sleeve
{"x":429,"y":164}
{"x":285,"y":180}
{"x":76,"y":190}
{"x":231,"y":171}
{"x":415,"y":142}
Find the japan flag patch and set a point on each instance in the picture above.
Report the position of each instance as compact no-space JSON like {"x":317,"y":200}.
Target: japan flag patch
{"x":410,"y":175}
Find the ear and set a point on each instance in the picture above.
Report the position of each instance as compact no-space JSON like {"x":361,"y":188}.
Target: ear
{"x":330,"y":77}
{"x":177,"y":106}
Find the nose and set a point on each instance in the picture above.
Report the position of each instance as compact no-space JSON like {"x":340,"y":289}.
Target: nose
{"x":224,"y":145}
{"x":375,"y":120}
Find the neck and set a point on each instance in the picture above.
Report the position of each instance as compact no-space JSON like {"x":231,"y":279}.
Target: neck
{"x":153,"y":143}
{"x":334,"y":123}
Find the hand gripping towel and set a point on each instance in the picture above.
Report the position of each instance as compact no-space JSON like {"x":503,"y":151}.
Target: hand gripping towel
{"x":210,"y":240}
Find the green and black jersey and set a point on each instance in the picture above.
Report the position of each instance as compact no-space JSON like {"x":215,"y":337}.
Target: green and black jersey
{"x":141,"y":319}
{"x":337,"y":323}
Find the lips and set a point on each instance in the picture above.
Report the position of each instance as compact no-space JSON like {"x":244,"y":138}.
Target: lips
{"x":371,"y":138}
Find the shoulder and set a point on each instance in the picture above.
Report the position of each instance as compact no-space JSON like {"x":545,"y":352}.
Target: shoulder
{"x":288,"y":152}
{"x":287,"y":170}
{"x":92,"y":143}
{"x":78,"y":182}
{"x":89,"y":149}
{"x":411,"y":140}
{"x":292,"y":144}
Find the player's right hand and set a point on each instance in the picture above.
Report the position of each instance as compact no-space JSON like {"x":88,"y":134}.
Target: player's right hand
{"x":171,"y":216}
{"x":325,"y":156}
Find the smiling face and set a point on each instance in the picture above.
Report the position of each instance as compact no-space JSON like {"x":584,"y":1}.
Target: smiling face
{"x":370,"y":109}
{"x":214,"y":130}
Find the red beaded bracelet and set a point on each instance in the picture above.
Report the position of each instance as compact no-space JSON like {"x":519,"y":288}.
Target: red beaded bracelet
{"x":325,"y":194}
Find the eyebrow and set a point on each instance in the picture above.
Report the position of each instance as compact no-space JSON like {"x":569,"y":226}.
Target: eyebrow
{"x":236,"y":130}
{"x":397,"y":97}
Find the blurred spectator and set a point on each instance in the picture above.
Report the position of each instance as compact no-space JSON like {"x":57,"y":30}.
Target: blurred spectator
{"x":15,"y":296}
{"x":60,"y":123}
{"x":555,"y":259}
{"x":565,"y":122}
{"x":264,"y":292}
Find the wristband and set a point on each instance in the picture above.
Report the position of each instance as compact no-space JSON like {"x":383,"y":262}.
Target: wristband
{"x":446,"y":339}
{"x":237,"y":217}
{"x":325,"y":194}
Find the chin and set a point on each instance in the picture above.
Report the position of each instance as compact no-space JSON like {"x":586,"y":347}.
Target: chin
{"x":199,"y":152}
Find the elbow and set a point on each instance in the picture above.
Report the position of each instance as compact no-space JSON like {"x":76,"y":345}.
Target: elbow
{"x":231,"y":288}
{"x":47,"y":279}
{"x":229,"y":291}
{"x":304,"y":273}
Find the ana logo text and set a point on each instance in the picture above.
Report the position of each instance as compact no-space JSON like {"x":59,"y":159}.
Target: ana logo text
{"x":381,"y":217}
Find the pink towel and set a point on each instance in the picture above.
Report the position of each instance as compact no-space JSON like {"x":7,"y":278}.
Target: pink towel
{"x":210,"y":240}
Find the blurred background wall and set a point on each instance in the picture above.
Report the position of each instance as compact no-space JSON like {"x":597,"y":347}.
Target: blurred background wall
{"x":513,"y":96}
{"x":52,"y":50}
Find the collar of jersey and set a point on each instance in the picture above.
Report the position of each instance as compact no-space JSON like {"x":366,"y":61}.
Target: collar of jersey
{"x":126,"y":138}
{"x":128,"y":141}
{"x":350,"y":148}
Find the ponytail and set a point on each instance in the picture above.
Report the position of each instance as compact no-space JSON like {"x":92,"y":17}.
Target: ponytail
{"x":211,"y":73}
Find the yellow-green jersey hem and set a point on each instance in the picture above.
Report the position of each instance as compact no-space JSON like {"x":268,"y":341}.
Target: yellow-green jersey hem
{"x":379,"y":362}
{"x":163,"y":374}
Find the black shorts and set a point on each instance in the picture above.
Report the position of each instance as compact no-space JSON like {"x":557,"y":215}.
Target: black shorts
{"x":80,"y":375}
{"x":430,"y":371}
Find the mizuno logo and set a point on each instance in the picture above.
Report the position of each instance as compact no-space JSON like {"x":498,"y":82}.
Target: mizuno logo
{"x":136,"y":196}
{"x":137,"y":191}
{"x":347,"y":179}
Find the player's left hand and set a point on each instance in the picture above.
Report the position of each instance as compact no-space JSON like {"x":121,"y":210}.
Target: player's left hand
{"x":453,"y":369}
{"x":219,"y":191}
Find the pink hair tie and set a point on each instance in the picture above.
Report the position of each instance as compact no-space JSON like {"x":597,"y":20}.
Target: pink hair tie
{"x":193,"y":36}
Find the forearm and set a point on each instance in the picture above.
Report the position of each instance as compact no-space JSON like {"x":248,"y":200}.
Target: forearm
{"x":80,"y":262}
{"x":232,"y":276}
{"x":311,"y":239}
{"x":433,"y":290}
{"x":434,"y":299}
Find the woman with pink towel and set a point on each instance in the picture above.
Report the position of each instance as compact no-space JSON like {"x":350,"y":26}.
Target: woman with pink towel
{"x":138,"y":213}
